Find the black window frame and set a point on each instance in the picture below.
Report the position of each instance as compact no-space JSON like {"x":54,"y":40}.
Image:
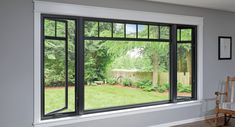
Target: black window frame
{"x":79,"y":62}
{"x":193,"y":43}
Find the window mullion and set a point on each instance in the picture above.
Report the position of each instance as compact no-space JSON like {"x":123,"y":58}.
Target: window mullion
{"x":80,"y":66}
{"x":194,"y":63}
{"x":173,"y":64}
{"x":66,"y":65}
{"x":42,"y":68}
{"x":76,"y":66}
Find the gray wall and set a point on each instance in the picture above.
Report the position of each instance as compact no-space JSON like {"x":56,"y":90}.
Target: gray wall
{"x":16,"y":62}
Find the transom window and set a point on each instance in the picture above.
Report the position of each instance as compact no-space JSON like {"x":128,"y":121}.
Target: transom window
{"x":94,"y":65}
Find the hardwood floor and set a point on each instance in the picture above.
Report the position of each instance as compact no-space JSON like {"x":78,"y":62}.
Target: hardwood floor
{"x":208,"y":123}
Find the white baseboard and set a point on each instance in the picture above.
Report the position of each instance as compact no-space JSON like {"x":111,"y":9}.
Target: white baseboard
{"x":184,"y":121}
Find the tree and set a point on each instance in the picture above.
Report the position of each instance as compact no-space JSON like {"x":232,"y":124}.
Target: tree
{"x":54,"y":58}
{"x":153,"y":50}
{"x":96,"y":60}
{"x":185,"y":52}
{"x":100,"y":54}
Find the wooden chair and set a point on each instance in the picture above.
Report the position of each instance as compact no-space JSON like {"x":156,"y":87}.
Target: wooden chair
{"x":225,"y":103}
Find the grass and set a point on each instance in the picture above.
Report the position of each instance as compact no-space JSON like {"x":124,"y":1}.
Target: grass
{"x":101,"y":96}
{"x":55,"y":99}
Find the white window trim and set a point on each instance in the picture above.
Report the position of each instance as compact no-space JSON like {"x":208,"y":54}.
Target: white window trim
{"x":113,"y":114}
{"x":41,"y":7}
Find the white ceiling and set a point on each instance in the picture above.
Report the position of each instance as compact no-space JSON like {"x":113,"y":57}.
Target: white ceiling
{"x":226,"y":5}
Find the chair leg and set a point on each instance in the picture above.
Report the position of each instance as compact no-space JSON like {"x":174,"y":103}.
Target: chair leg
{"x":216,"y":119}
{"x":227,"y":119}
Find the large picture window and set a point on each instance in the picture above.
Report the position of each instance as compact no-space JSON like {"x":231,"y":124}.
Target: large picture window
{"x":94,"y":65}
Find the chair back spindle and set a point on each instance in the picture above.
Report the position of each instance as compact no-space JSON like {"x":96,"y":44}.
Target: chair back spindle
{"x":229,"y":90}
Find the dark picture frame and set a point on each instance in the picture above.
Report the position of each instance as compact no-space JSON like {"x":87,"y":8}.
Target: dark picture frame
{"x":225,"y":48}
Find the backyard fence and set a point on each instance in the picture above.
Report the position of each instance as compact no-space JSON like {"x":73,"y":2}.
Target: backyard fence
{"x":136,"y":75}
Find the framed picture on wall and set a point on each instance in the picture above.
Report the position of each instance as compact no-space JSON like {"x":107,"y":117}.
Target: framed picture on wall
{"x":225,"y":48}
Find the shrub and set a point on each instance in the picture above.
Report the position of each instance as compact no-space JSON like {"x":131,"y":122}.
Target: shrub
{"x":167,"y":85}
{"x":58,"y":84}
{"x":161,"y":88}
{"x":127,"y":82}
{"x":184,"y":88}
{"x":112,"y":81}
{"x":150,"y":88}
{"x":146,"y":85}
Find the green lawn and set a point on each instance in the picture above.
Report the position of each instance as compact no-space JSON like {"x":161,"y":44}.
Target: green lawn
{"x":101,"y":96}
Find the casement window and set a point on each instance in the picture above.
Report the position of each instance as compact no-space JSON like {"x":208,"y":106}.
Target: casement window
{"x":91,"y":65}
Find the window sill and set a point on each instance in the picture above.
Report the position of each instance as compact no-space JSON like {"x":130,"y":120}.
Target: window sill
{"x":111,"y":114}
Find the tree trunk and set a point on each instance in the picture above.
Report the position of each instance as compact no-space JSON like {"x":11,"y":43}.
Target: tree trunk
{"x":155,"y":70}
{"x":180,"y":60}
{"x":189,"y":65}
